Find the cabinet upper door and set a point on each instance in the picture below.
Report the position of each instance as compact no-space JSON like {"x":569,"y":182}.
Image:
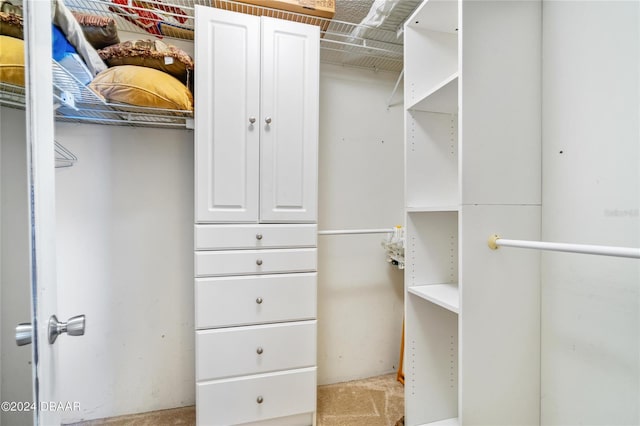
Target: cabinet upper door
{"x":289,"y":122}
{"x":227,"y":126}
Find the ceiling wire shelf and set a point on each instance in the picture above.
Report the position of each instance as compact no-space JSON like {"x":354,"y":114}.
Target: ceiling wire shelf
{"x":342,"y":43}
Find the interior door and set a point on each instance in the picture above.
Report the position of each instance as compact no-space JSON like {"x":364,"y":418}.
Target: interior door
{"x":41,"y":180}
{"x":16,"y":384}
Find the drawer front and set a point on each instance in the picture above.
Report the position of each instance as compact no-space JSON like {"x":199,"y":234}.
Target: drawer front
{"x":241,"y":262}
{"x":230,"y":237}
{"x":235,"y":401}
{"x":236,"y":351}
{"x":255,"y":299}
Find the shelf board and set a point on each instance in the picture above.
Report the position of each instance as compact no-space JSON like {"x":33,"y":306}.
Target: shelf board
{"x":436,"y":15}
{"x":441,"y":98}
{"x":429,"y":209}
{"x":444,"y":295}
{"x":446,"y":422}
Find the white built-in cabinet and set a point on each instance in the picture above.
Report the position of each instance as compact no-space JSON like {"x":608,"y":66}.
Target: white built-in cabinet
{"x":257,"y":91}
{"x":472,"y":169}
{"x":256,"y":155}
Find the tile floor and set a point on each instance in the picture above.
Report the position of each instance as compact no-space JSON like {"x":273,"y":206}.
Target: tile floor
{"x":376,"y":401}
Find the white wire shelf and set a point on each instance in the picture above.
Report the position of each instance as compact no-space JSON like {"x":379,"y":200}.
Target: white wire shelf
{"x":12,"y":96}
{"x":75,"y":102}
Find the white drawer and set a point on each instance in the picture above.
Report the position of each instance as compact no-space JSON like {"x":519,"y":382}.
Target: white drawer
{"x":233,"y":237}
{"x":237,"y":351}
{"x":235,"y":401}
{"x":241,"y":262}
{"x":255,"y":299}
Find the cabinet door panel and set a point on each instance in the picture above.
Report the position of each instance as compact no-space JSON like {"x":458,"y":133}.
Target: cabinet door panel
{"x":289,"y":143}
{"x":226,"y":97}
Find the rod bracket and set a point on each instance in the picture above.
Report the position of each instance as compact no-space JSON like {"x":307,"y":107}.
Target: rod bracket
{"x":493,"y":242}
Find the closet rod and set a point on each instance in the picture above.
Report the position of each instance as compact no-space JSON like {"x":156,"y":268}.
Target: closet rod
{"x":495,"y":241}
{"x":355,"y":231}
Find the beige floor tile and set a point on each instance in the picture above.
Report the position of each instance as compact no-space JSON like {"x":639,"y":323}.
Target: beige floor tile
{"x":376,"y":401}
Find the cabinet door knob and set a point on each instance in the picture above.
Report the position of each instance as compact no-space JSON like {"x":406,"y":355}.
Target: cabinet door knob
{"x":259,"y":300}
{"x":259,"y":400}
{"x":252,"y":120}
{"x":267,"y":120}
{"x":258,"y":236}
{"x":259,"y":262}
{"x":259,"y":351}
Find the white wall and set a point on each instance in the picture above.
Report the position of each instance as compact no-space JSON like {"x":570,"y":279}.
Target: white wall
{"x":125,"y":244}
{"x":15,"y":362}
{"x":360,"y":305}
{"x":125,"y":250}
{"x":591,"y":194}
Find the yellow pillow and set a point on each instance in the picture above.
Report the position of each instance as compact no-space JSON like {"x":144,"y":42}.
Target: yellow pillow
{"x":142,"y":86}
{"x":11,"y":60}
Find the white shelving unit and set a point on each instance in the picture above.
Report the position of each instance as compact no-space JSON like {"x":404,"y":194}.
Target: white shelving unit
{"x":472,"y":106}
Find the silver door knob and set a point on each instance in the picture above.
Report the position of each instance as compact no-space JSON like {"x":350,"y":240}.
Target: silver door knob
{"x":73,"y":327}
{"x":24,"y":333}
{"x":259,"y":262}
{"x":267,"y":120}
{"x":259,"y":351}
{"x":258,"y":236}
{"x":252,"y":120}
{"x":259,"y":400}
{"x":259,"y":300}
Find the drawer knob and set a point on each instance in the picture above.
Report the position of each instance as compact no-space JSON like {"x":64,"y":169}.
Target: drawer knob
{"x":259,"y":300}
{"x":258,"y":236}
{"x":259,"y":400}
{"x":259,"y":350}
{"x":259,"y":262}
